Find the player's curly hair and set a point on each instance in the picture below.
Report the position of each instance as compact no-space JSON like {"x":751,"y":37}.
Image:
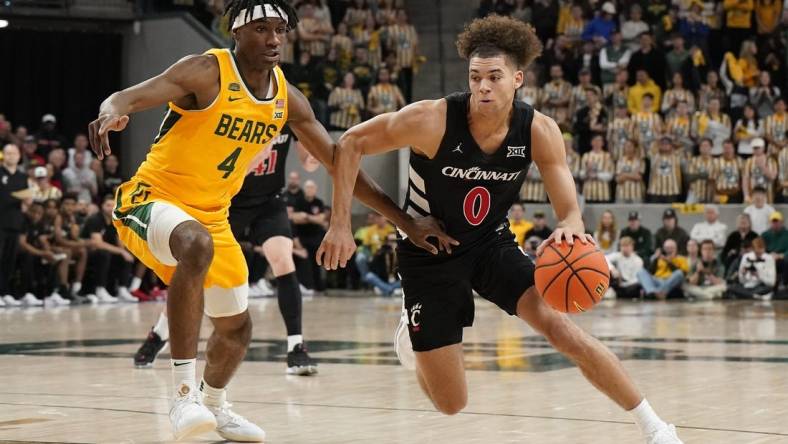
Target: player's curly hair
{"x":495,"y":35}
{"x":234,"y":8}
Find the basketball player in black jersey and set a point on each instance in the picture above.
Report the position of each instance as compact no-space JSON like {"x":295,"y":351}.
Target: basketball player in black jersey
{"x":259,"y":214}
{"x":469,"y":156}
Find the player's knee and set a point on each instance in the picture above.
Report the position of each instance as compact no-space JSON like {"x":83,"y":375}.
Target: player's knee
{"x":193,"y":246}
{"x":238,"y":328}
{"x":451,"y":405}
{"x":282,"y":264}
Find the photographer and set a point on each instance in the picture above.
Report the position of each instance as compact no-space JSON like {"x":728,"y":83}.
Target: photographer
{"x":706,"y":277}
{"x":383,"y":268}
{"x":666,"y":271}
{"x":757,"y":274}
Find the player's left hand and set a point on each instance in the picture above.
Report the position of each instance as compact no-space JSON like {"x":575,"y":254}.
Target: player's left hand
{"x":567,"y":234}
{"x":336,"y":249}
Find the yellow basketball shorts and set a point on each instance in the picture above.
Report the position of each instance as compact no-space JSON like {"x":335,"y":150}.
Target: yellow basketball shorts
{"x":145,"y":220}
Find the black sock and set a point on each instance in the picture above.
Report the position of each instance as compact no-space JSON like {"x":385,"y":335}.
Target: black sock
{"x":289,"y":296}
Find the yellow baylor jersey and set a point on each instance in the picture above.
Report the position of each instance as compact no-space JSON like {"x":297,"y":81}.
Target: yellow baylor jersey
{"x":199,"y":159}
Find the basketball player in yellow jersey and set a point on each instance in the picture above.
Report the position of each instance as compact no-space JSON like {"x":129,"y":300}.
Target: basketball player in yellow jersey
{"x":224,"y":108}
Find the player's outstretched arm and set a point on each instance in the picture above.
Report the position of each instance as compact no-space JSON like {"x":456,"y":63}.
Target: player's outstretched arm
{"x":419,"y":126}
{"x":549,"y":154}
{"x":190,"y":76}
{"x":314,"y":137}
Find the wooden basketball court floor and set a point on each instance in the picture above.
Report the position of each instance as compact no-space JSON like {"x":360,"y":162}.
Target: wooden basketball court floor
{"x":719,"y":371}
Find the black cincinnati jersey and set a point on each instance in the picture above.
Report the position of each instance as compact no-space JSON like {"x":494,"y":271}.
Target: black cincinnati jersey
{"x":467,"y":189}
{"x":267,"y":178}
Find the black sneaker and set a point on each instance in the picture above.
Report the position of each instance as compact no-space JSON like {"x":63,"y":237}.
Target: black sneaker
{"x":299,"y":363}
{"x":148,"y":351}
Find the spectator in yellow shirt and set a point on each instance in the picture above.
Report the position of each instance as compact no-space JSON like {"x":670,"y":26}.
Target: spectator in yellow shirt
{"x":738,"y":21}
{"x":666,"y":271}
{"x":372,"y":237}
{"x":518,"y":224}
{"x":643,"y":86}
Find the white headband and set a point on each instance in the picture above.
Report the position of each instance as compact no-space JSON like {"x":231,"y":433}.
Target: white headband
{"x":266,"y":11}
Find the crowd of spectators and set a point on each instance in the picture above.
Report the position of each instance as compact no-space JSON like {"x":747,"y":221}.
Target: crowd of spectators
{"x":662,"y":100}
{"x":710,"y":261}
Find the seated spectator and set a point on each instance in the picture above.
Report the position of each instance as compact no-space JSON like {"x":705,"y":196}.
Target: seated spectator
{"x":693,"y":252}
{"x":733,"y":244}
{"x":665,"y":174}
{"x":66,"y":234}
{"x":632,"y":28}
{"x":518,"y":224}
{"x":764,"y":95}
{"x":580,"y":99}
{"x":612,"y":59}
{"x":759,"y":211}
{"x":372,"y":238}
{"x":678,"y":128}
{"x":600,"y":29}
{"x":711,"y":228}
{"x":533,"y":186}
{"x":540,"y":228}
{"x":109,"y":261}
{"x":39,"y":263}
{"x":618,"y":133}
{"x":624,"y":267}
{"x":776,"y":241}
{"x":43,"y":190}
{"x":676,"y":94}
{"x":529,"y":92}
{"x":606,"y":233}
{"x":665,"y":272}
{"x":80,"y":146}
{"x":694,"y":29}
{"x":596,"y":171}
{"x":700,"y":175}
{"x":31,"y":158}
{"x":650,"y":59}
{"x":48,"y":137}
{"x":711,"y":90}
{"x":774,"y":127}
{"x":705,"y":280}
{"x":646,"y":126}
{"x":556,"y":95}
{"x":676,"y":59}
{"x":760,"y":170}
{"x":639,"y":234}
{"x":383,"y":268}
{"x":80,"y":179}
{"x":111,"y":177}
{"x":617,"y":94}
{"x":727,"y":173}
{"x":757,"y":275}
{"x":671,"y":230}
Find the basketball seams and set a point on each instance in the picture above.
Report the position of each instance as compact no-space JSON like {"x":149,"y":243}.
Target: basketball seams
{"x":573,"y":273}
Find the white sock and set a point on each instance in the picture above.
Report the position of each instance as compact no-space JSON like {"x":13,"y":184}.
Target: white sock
{"x":135,"y":283}
{"x":183,"y":373}
{"x":213,"y":397}
{"x":76,"y":287}
{"x":294,"y":340}
{"x":162,"y":327}
{"x":646,"y":418}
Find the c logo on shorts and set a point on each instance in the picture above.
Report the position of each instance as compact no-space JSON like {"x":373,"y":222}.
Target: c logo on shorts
{"x":415,"y":310}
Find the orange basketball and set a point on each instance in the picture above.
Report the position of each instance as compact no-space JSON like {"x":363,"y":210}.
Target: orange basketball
{"x":572,"y":278}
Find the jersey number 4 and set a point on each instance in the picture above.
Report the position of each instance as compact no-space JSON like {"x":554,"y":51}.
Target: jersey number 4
{"x":228,"y":164}
{"x":476,"y":206}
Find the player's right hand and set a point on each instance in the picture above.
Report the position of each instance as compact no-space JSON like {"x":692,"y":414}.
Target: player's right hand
{"x":336,"y":249}
{"x":99,"y":132}
{"x":422,"y":228}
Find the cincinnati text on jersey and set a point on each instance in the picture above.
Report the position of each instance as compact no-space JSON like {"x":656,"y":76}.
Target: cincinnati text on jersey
{"x":476,"y":173}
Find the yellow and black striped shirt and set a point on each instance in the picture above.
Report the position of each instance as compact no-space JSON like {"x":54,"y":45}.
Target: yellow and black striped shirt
{"x":578,"y":97}
{"x":617,"y":135}
{"x":318,"y":47}
{"x":782,"y":167}
{"x":673,"y":96}
{"x":774,"y":128}
{"x":702,"y":188}
{"x":384,"y":98}
{"x":758,"y":177}
{"x":616,"y":97}
{"x":529,"y":95}
{"x":646,"y":129}
{"x":349,"y":104}
{"x":562,"y":91}
{"x":630,"y":190}
{"x":403,"y":41}
{"x":600,"y":165}
{"x":727,"y":173}
{"x":533,"y":187}
{"x":665,"y":174}
{"x":678,"y":128}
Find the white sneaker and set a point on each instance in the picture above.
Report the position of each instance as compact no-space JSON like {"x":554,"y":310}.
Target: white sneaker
{"x":92,"y":298}
{"x":2,"y":302}
{"x":76,"y":288}
{"x":305,"y":291}
{"x":665,"y":435}
{"x":234,"y":427}
{"x":125,"y":296}
{"x":188,"y":416}
{"x":265,"y":288}
{"x":763,"y":297}
{"x":32,"y":301}
{"x":59,"y":257}
{"x":10,"y":301}
{"x":402,"y":342}
{"x":56,"y":299}
{"x":255,"y":291}
{"x":103,"y":296}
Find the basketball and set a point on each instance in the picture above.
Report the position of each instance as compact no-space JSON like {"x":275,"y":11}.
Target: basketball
{"x":572,"y":278}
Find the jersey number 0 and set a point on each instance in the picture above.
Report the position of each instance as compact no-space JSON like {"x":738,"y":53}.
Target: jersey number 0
{"x":476,"y":206}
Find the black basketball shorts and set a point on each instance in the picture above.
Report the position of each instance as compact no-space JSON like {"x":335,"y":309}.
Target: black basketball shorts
{"x":261,"y":222}
{"x":438,"y":290}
